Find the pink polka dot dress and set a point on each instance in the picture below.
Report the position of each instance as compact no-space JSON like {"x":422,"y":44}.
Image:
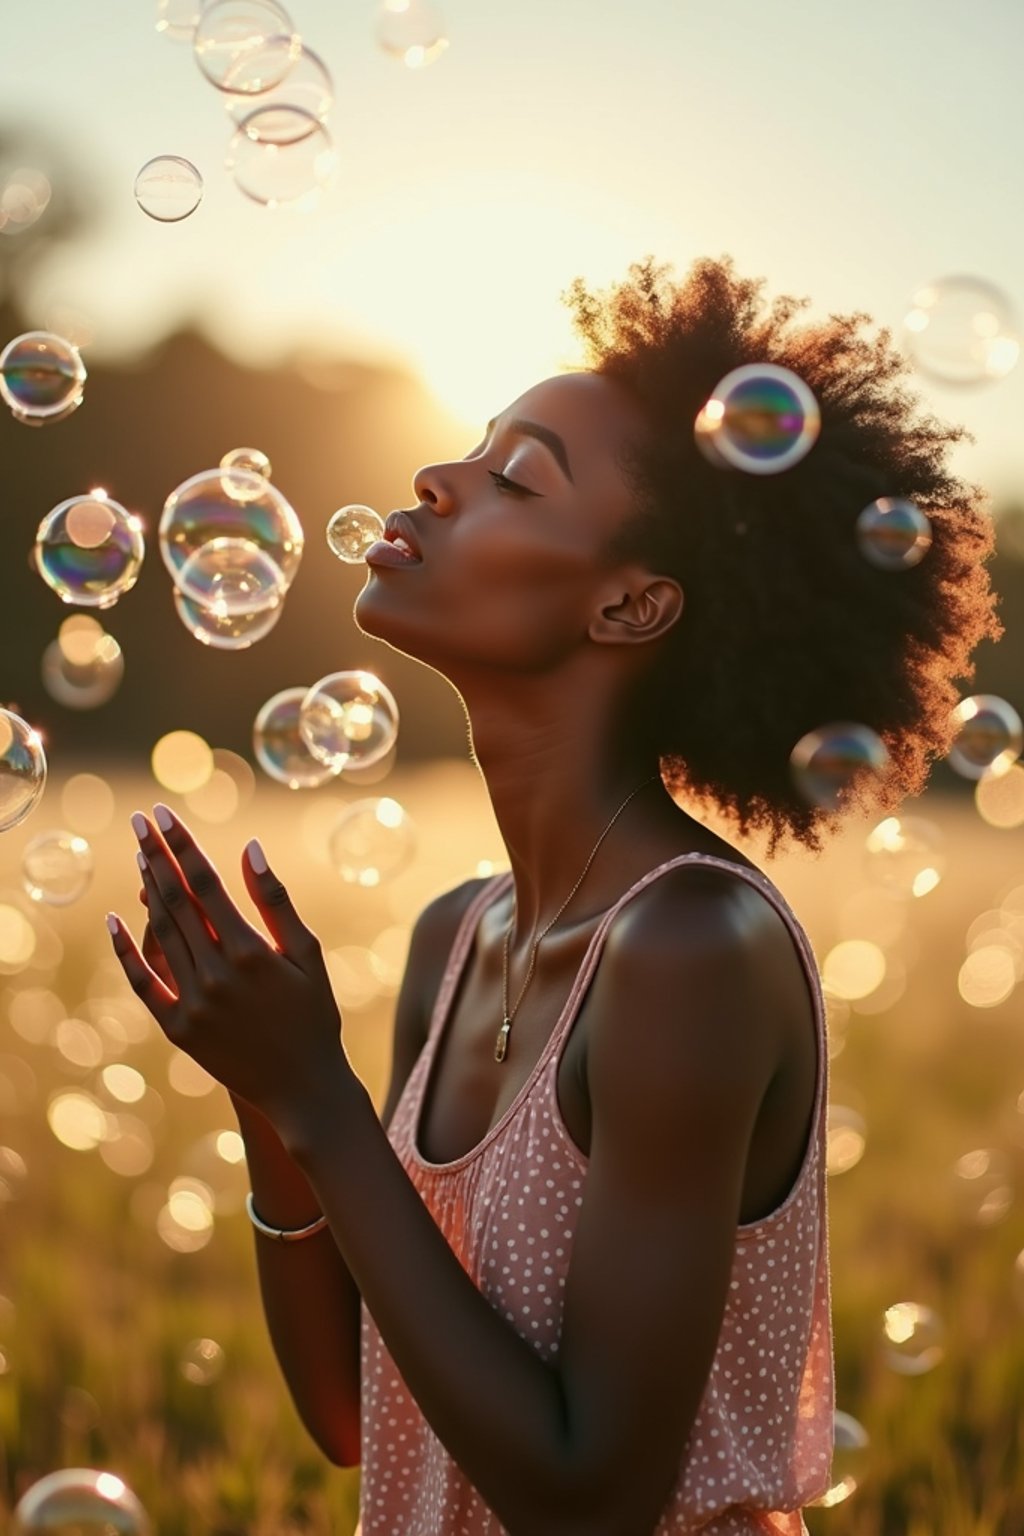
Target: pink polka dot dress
{"x":761,"y":1445}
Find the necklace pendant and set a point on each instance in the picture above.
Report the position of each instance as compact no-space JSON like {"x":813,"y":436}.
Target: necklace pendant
{"x":501,"y":1044}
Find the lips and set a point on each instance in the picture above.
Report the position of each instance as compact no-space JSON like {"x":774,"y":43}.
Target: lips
{"x":400,"y":531}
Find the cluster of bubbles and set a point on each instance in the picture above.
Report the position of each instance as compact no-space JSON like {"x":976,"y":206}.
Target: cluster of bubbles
{"x":42,"y":378}
{"x":304,"y":736}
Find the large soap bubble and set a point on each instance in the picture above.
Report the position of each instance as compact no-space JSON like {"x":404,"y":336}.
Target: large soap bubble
{"x":829,"y":761}
{"x":223,"y":630}
{"x":371,"y":841}
{"x":760,"y":418}
{"x":230,"y":504}
{"x":78,"y":1501}
{"x":56,"y":867}
{"x":90,"y":549}
{"x":168,"y":188}
{"x":22,"y":769}
{"x":351,"y":532}
{"x":307,"y":85}
{"x":231,"y":576}
{"x":349,"y":718}
{"x":282,"y":157}
{"x":989,"y":739}
{"x":411,"y":31}
{"x":42,"y":377}
{"x":245,"y":46}
{"x":962,"y":330}
{"x":280,"y":750}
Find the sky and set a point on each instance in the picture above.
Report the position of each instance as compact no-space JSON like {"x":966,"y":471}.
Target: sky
{"x":849,"y":154}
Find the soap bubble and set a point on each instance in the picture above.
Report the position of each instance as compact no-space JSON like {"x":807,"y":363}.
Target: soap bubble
{"x":230,"y":504}
{"x":850,"y":1443}
{"x":371,"y":841}
{"x":307,"y":85}
{"x":245,"y":46}
{"x":224,"y":631}
{"x":905,"y":855}
{"x":411,"y":31}
{"x":84,"y":666}
{"x":352,"y":530}
{"x":202,"y":1361}
{"x":42,"y":377}
{"x":760,"y":418}
{"x":252,"y":462}
{"x":893,"y":534}
{"x":914,"y":1338}
{"x":983,"y":1183}
{"x":282,"y":157}
{"x":22,"y":769}
{"x":990,"y":736}
{"x":831,"y":759}
{"x":78,"y":1501}
{"x":56,"y":867}
{"x":177,"y":19}
{"x":231,"y":576}
{"x":961,"y":330}
{"x":349,"y":718}
{"x":89,"y":549}
{"x":25,"y":195}
{"x":279,"y":747}
{"x":168,"y":188}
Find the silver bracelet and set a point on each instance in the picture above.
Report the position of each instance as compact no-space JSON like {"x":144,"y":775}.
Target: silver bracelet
{"x":282,"y":1234}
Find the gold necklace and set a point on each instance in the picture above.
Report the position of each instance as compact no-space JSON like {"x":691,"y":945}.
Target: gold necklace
{"x":501,"y":1043}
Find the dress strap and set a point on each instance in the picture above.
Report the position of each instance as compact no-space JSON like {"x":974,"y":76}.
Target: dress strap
{"x":465,"y":936}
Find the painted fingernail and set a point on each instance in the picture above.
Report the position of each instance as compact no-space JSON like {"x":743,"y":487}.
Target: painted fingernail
{"x":257,"y":858}
{"x":163,"y":817}
{"x":143,"y":865}
{"x":112,"y":922}
{"x":140,"y":826}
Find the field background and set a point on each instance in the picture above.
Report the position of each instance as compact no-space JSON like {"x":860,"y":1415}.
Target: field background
{"x":98,"y":1311}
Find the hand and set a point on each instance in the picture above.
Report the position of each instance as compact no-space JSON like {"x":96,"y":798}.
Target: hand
{"x":260,"y":1017}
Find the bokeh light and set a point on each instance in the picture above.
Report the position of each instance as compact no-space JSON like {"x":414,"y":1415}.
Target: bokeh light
{"x":181,"y":761}
{"x":905,"y":855}
{"x":962,"y":330}
{"x":57,"y":867}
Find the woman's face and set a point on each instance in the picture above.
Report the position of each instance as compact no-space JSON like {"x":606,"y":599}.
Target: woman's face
{"x":511,"y":538}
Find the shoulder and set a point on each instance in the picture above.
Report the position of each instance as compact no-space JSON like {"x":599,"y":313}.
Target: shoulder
{"x":435,"y":930}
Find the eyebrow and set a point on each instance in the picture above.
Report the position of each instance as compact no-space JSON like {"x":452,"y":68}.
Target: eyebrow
{"x":543,"y":435}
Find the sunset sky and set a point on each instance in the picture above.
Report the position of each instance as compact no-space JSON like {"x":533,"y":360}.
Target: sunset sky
{"x":849,"y":154}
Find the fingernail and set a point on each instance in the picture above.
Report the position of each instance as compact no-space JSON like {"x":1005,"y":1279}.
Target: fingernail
{"x":143,"y":865}
{"x":140,"y":826}
{"x":163,"y":817}
{"x":257,"y":858}
{"x":112,"y":922}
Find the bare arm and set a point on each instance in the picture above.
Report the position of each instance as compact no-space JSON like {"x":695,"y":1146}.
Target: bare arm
{"x":545,"y":1443}
{"x":311,"y":1302}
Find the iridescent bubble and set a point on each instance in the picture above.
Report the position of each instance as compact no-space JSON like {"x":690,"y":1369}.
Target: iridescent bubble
{"x":349,"y":718}
{"x":905,"y":855}
{"x":245,"y":46}
{"x":760,"y":418}
{"x":225,"y":631}
{"x":57,"y":868}
{"x":22,"y":769}
{"x":352,"y":530}
{"x":371,"y":841}
{"x":251,"y":461}
{"x":914,"y":1338}
{"x":81,"y":1501}
{"x":282,"y":157}
{"x":411,"y":31}
{"x":307,"y":85}
{"x":231,"y":577}
{"x":202,"y":1361}
{"x":42,"y":377}
{"x":280,"y":750}
{"x":90,"y":549}
{"x":168,"y":188}
{"x":84,"y":666}
{"x":893,"y":534}
{"x":962,"y":330}
{"x":850,"y":1443}
{"x":829,"y":761}
{"x":230,"y":504}
{"x":989,"y":739}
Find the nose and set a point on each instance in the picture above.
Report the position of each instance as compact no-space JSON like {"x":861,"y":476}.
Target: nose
{"x":433,"y":488}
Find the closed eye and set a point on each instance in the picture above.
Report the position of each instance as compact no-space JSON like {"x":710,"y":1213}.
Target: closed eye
{"x":505,"y":484}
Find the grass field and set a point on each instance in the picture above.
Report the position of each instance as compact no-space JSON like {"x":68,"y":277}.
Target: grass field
{"x":108,"y":1277}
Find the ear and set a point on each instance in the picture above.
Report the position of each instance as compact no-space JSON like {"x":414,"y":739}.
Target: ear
{"x":643,"y":608}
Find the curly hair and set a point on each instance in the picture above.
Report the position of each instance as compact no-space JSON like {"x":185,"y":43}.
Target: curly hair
{"x":786,"y":627}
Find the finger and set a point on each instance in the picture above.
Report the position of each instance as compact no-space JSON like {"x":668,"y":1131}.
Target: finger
{"x":143,"y":981}
{"x":204,"y":881}
{"x":166,"y":931}
{"x":286,"y":928}
{"x":166,"y":878}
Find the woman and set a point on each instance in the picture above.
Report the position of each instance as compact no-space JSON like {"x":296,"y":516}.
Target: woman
{"x":575,"y":1278}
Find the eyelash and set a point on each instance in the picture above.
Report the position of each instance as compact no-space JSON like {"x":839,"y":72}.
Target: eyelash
{"x":505,"y":484}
